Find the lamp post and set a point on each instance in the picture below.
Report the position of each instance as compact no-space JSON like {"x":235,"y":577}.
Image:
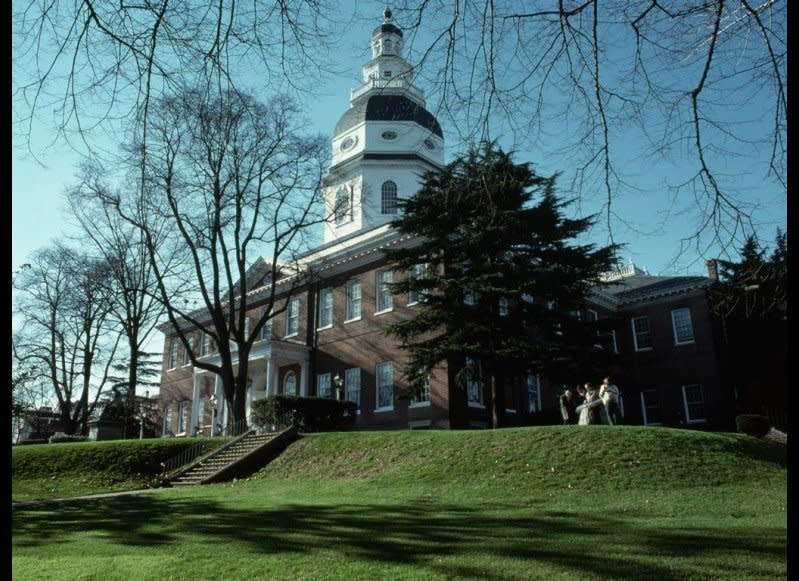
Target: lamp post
{"x":143,"y":413}
{"x":212,"y":401}
{"x":338,"y":383}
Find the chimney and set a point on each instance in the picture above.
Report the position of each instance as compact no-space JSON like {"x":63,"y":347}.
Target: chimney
{"x":712,"y":270}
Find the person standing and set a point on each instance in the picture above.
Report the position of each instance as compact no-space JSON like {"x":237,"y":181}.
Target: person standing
{"x":568,"y":404}
{"x":589,"y":409}
{"x":609,"y":393}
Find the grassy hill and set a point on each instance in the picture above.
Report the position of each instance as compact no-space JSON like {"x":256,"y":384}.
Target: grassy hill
{"x":586,"y":502}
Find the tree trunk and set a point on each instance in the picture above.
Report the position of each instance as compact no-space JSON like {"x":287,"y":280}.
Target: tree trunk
{"x":497,"y":400}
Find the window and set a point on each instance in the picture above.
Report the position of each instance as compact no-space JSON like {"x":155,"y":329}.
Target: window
{"x":502,"y":307}
{"x":642,"y":338}
{"x":325,"y":308}
{"x":341,"y":209}
{"x":200,"y":413}
{"x":694,"y":403}
{"x":187,"y":352}
{"x":469,"y":297}
{"x":183,"y":409}
{"x":384,"y":299}
{"x":290,"y":383}
{"x":323,"y":385}
{"x":533,"y":392}
{"x":423,"y":397}
{"x":415,"y":273}
{"x":384,"y":372}
{"x":353,"y":300}
{"x":293,"y":317}
{"x":205,"y":344}
{"x":650,"y":406}
{"x":266,"y":330}
{"x":173,"y":354}
{"x":682,"y":325}
{"x":388,"y":198}
{"x":474,"y":391}
{"x":352,"y":385}
{"x":591,"y":316}
{"x":614,"y":345}
{"x":167,"y":420}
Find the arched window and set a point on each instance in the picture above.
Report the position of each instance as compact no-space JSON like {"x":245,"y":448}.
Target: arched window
{"x":388,"y":198}
{"x":341,"y":209}
{"x":290,"y":384}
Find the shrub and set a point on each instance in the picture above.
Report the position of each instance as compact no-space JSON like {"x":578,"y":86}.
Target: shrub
{"x":59,"y":438}
{"x":307,"y":414}
{"x":753,"y":424}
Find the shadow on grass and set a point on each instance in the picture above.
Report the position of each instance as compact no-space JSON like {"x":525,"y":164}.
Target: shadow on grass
{"x":414,"y":534}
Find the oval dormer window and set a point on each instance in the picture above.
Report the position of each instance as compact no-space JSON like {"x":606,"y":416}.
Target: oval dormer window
{"x":348,"y":143}
{"x":389,"y":135}
{"x":429,"y":144}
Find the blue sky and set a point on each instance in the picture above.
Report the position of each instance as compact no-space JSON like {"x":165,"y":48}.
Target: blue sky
{"x":651,"y":225}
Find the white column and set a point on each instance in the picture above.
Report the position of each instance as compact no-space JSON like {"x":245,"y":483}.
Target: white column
{"x":195,"y":404}
{"x":304,"y":367}
{"x":271,"y":376}
{"x":248,"y":405}
{"x":220,"y":405}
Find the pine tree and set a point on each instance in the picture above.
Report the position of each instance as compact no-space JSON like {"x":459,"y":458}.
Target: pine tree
{"x":502,"y":274}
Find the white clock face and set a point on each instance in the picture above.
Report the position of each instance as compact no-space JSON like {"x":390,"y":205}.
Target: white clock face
{"x":349,"y":143}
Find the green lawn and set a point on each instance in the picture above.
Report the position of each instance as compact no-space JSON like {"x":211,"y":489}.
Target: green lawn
{"x":563,"y":502}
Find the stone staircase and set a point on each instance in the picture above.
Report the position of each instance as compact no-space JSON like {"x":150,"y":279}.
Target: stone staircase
{"x":250,"y":451}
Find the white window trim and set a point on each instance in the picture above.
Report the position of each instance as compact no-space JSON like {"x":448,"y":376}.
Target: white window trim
{"x":423,"y":403}
{"x":635,"y":334}
{"x":674,"y":327}
{"x":412,"y":274}
{"x":266,"y":331}
{"x":643,"y":409}
{"x":319,"y":308}
{"x":474,"y":404}
{"x":685,"y":404}
{"x":360,"y":384}
{"x":615,"y":344}
{"x":329,"y":382}
{"x":347,"y":300}
{"x":186,"y":356}
{"x":293,"y":300}
{"x":537,"y":393}
{"x":290,"y":373}
{"x":389,"y":407}
{"x":173,"y":347}
{"x":377,"y":293}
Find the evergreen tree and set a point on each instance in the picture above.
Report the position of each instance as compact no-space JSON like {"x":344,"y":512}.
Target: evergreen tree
{"x":756,"y":286}
{"x":502,"y":277}
{"x":750,"y":299}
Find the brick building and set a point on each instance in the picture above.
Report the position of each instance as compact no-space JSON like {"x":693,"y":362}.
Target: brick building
{"x":330,"y":339}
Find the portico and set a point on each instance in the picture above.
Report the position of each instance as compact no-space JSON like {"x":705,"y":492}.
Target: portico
{"x":265,"y":361}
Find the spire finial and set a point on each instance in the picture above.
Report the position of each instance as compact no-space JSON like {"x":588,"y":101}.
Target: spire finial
{"x":387,"y":14}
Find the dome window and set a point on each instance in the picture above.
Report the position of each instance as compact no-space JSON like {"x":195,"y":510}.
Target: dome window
{"x":388,"y":198}
{"x":348,"y":143}
{"x":428,"y":143}
{"x":389,"y":135}
{"x":387,"y":74}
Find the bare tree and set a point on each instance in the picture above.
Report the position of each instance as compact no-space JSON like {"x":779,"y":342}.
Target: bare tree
{"x":587,"y":75}
{"x":572,"y":78}
{"x":91,"y":64}
{"x":63,"y":303}
{"x":234,"y":183}
{"x":134,"y":298}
